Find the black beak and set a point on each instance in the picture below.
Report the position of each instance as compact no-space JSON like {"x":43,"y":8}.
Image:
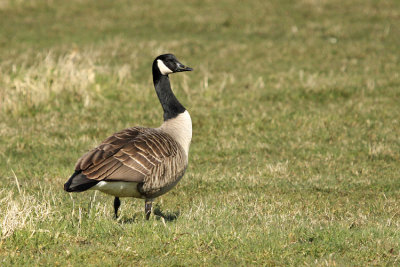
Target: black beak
{"x":182,"y":67}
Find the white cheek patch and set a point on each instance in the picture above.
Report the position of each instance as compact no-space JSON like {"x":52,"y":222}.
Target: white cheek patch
{"x":163,"y":69}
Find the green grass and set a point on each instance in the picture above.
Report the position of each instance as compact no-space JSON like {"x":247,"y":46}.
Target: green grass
{"x":296,"y":131}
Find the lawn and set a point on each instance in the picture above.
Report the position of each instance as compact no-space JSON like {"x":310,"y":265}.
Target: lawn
{"x":295,"y":156}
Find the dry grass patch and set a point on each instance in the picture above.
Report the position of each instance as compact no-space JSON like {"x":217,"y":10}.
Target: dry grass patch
{"x":50,"y":76}
{"x":22,"y":211}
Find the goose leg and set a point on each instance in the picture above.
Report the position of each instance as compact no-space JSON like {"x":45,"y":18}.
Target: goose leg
{"x":117,"y":203}
{"x":147,"y":207}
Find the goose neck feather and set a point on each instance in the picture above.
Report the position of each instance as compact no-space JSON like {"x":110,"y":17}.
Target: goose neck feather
{"x":177,"y":121}
{"x":170,"y":104}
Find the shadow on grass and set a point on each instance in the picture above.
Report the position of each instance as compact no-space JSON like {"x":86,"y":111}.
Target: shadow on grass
{"x":126,"y":220}
{"x":168,"y":216}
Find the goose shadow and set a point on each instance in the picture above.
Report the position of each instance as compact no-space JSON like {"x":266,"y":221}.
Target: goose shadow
{"x":168,"y":216}
{"x":125,"y":220}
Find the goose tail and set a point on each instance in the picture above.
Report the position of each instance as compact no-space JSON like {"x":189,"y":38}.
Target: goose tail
{"x":78,"y":182}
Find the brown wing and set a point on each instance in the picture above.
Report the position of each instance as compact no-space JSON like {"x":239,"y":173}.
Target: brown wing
{"x":165,"y":176}
{"x":129,"y":155}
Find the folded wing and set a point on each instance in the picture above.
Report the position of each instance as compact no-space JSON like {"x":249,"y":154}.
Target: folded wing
{"x":142,"y":155}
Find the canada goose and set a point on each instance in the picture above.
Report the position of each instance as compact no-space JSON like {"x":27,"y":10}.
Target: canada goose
{"x":141,"y":162}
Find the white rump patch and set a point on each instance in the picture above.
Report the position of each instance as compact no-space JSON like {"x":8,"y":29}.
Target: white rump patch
{"x":180,"y":128}
{"x":118,"y":188}
{"x":163,"y":69}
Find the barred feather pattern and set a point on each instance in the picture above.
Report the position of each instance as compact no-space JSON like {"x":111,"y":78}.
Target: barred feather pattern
{"x":164,"y":176}
{"x":148,"y":156}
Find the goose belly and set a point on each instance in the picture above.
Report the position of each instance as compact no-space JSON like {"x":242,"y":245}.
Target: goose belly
{"x":118,"y":189}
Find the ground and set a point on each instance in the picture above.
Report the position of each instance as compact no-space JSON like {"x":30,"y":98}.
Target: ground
{"x":296,"y":138}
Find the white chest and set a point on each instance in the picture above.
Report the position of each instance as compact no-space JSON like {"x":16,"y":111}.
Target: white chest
{"x":180,"y":128}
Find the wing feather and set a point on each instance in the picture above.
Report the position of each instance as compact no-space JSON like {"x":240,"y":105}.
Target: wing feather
{"x":137,"y":154}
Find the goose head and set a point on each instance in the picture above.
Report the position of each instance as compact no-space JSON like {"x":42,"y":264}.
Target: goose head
{"x":168,"y":64}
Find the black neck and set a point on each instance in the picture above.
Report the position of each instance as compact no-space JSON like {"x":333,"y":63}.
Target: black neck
{"x":169,"y":102}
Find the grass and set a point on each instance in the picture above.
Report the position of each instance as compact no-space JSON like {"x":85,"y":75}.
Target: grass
{"x":296,"y":141}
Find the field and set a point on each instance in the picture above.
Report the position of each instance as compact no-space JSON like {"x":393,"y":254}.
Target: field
{"x":296,"y":131}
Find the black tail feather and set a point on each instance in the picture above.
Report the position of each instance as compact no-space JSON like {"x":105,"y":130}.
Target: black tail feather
{"x":78,"y":182}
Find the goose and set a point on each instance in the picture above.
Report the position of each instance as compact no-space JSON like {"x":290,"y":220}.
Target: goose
{"x":141,"y":162}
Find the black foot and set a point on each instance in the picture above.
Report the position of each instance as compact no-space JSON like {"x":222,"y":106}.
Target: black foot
{"x":147,"y":208}
{"x":117,"y":203}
